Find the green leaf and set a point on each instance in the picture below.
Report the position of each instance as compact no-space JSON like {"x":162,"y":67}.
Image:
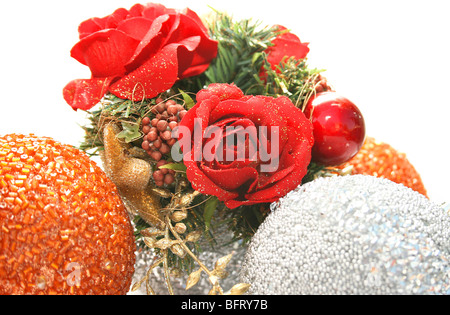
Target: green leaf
{"x":130,"y":131}
{"x":175,"y":166}
{"x":121,"y":107}
{"x":210,"y":208}
{"x":188,"y":100}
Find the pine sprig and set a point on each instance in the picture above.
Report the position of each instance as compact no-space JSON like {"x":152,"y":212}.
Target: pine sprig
{"x":241,"y":51}
{"x":242,"y":60}
{"x":240,"y":54}
{"x":292,"y":78}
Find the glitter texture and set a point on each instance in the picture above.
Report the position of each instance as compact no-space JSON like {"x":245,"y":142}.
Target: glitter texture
{"x":63,"y":227}
{"x":381,"y":160}
{"x":131,"y":176}
{"x":351,"y":235}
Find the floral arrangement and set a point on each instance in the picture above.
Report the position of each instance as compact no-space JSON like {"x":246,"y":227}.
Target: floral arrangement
{"x":205,"y":123}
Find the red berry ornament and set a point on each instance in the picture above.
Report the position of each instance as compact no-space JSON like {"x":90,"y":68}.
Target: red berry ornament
{"x":339,"y":129}
{"x":158,"y":131}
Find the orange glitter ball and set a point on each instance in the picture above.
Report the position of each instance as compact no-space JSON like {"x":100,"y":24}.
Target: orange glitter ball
{"x":381,"y":160}
{"x":63,"y":227}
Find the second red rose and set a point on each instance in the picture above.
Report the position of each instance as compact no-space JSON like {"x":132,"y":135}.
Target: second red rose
{"x":244,"y":149}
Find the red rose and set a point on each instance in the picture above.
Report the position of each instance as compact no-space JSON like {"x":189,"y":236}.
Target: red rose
{"x":286,"y":45}
{"x":260,"y":168}
{"x":138,"y":53}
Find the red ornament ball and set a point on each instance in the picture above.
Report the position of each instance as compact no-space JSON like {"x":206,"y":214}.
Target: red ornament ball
{"x":339,"y":128}
{"x":63,"y":227}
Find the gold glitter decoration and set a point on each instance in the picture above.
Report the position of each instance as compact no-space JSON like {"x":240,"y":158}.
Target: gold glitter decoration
{"x":381,"y":160}
{"x":131,"y":176}
{"x":123,"y":169}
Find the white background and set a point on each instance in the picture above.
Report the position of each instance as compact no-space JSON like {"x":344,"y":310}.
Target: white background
{"x":391,"y":58}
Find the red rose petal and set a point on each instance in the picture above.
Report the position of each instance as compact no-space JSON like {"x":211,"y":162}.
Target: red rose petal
{"x":85,"y":94}
{"x":286,"y":165}
{"x":136,"y":10}
{"x":185,"y":53}
{"x":254,"y":108}
{"x":90,"y":26}
{"x":297,"y":121}
{"x":223,"y":90}
{"x":232,"y":204}
{"x":231,"y":179}
{"x":183,"y":31}
{"x":116,"y":17}
{"x":204,"y":185}
{"x":285,"y":46}
{"x":105,"y":52}
{"x":153,"y":10}
{"x":156,"y":75}
{"x":183,"y":27}
{"x":136,"y":27}
{"x":203,"y":55}
{"x":290,"y":181}
{"x":194,"y":16}
{"x":188,"y":24}
{"x":150,"y":43}
{"x":97,"y":24}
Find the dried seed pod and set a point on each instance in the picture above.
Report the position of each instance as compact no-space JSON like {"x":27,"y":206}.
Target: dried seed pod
{"x":178,"y":250}
{"x":150,"y":242}
{"x":239,"y":289}
{"x":152,"y":232}
{"x":161,"y":192}
{"x":219,"y":273}
{"x":194,"y":236}
{"x":164,"y":243}
{"x":178,"y":216}
{"x":222,"y":263}
{"x":187,"y":199}
{"x":183,"y":183}
{"x":193,"y":278}
{"x":176,"y":272}
{"x":180,"y":228}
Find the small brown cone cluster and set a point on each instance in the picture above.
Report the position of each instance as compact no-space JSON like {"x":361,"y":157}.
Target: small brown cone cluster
{"x":321,"y":84}
{"x":158,"y":139}
{"x":381,"y":160}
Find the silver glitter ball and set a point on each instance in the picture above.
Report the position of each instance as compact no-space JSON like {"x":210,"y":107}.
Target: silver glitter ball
{"x":351,"y":235}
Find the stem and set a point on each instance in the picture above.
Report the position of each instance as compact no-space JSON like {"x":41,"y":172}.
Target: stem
{"x":166,"y":273}
{"x":138,"y":284}
{"x":204,"y":268}
{"x":165,"y":263}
